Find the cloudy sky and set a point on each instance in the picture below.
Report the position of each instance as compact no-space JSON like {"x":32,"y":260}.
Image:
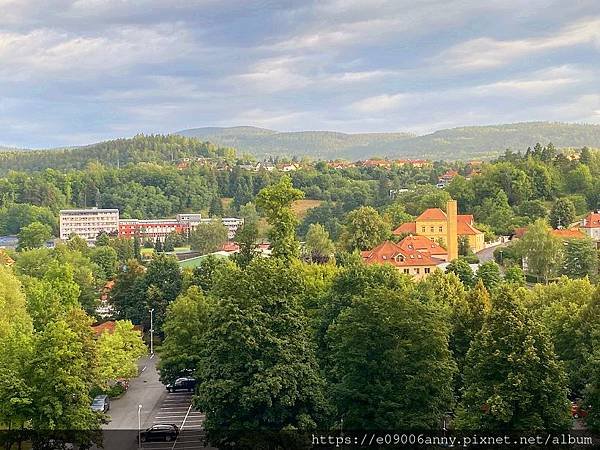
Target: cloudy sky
{"x":78,"y":71}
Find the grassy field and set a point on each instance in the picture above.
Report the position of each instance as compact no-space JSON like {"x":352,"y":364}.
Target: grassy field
{"x":300,"y":207}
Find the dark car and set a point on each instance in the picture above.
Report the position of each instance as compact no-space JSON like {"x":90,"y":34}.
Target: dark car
{"x":101,"y":403}
{"x":160,"y":432}
{"x":182,"y":384}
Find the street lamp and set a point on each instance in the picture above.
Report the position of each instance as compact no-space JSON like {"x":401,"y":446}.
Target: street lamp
{"x":139,"y":426}
{"x":152,"y":332}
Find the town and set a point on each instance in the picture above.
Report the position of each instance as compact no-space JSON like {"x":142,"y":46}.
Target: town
{"x":299,"y":225}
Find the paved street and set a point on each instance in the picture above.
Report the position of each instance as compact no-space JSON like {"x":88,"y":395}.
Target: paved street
{"x":158,"y":406}
{"x":145,"y":390}
{"x":487,"y":254}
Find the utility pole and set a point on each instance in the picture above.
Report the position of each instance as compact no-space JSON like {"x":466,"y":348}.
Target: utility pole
{"x":152,"y":332}
{"x":139,"y":426}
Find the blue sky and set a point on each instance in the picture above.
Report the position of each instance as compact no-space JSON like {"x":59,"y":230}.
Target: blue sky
{"x":79,"y":71}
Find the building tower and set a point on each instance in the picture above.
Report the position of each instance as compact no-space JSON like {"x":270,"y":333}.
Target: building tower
{"x":452,"y":227}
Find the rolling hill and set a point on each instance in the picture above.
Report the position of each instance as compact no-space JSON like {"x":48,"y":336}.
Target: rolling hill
{"x":455,"y":143}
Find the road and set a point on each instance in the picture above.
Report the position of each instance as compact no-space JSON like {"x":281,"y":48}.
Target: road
{"x":487,"y":254}
{"x":158,"y":406}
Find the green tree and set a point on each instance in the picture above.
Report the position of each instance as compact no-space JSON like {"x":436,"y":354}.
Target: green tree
{"x":34,"y":235}
{"x":258,"y":369}
{"x":543,"y":252}
{"x":515,"y":275}
{"x":62,"y":380}
{"x":106,"y":258}
{"x":246,"y":237}
{"x":16,"y":350}
{"x":464,"y":248}
{"x":467,"y":318}
{"x":391,"y":364}
{"x":396,"y":215}
{"x":205,"y":274}
{"x":208,"y":237}
{"x":513,"y":380}
{"x":161,"y":284}
{"x":580,"y":258}
{"x":489,"y":274}
{"x":77,"y":244}
{"x":158,"y":246}
{"x":127,"y":295}
{"x":276,"y":202}
{"x":319,"y":247}
{"x":186,"y":324}
{"x":562,"y":213}
{"x":216,"y":207}
{"x":102,"y":240}
{"x":118,"y":352}
{"x":364,"y":229}
{"x":462,"y":269}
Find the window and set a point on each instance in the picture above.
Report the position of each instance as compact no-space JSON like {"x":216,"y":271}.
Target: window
{"x":441,"y":229}
{"x":427,"y":270}
{"x":433,"y":229}
{"x":417,"y":270}
{"x":406,"y":270}
{"x":422,"y":229}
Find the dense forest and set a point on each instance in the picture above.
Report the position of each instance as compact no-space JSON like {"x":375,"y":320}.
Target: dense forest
{"x":458,"y":143}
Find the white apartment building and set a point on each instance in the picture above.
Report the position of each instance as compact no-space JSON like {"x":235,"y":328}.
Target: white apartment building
{"x":231,"y":223}
{"x":88,"y":223}
{"x":590,"y":225}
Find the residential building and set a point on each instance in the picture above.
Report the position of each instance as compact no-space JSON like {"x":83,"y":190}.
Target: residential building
{"x":590,"y":225}
{"x":158,"y":229}
{"x":88,"y":223}
{"x":437,"y":226}
{"x":563,"y":233}
{"x":409,"y":261}
{"x":9,"y":242}
{"x":446,"y":178}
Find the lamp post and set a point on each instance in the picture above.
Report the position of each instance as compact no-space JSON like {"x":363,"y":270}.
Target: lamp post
{"x":152,"y":332}
{"x":139,"y":426}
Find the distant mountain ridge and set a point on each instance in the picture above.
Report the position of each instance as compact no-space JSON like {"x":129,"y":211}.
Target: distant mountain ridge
{"x":456,"y":143}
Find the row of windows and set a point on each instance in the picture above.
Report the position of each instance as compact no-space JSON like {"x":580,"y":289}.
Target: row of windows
{"x":432,"y":229}
{"x":417,"y":270}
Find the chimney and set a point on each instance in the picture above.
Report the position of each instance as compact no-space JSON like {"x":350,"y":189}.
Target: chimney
{"x":452,"y":226}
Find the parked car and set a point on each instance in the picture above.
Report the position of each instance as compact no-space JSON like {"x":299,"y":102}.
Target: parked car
{"x":101,"y":403}
{"x":160,"y":432}
{"x":577,"y":411}
{"x":182,"y":384}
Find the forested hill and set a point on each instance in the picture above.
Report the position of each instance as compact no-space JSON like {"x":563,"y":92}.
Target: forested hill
{"x":450,"y":144}
{"x":118,"y":152}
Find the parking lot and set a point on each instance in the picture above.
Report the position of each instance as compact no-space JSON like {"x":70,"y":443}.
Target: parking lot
{"x":176,"y":408}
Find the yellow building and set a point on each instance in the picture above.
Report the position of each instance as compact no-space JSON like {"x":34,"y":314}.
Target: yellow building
{"x":436,"y":225}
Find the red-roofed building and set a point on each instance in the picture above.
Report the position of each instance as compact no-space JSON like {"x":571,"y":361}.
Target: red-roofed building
{"x":590,"y":225}
{"x":563,"y":233}
{"x":445,"y":179}
{"x":408,"y":261}
{"x":433,"y":224}
{"x":423,"y":245}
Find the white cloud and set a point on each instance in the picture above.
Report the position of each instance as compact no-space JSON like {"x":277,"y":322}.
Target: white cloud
{"x":487,"y":53}
{"x":45,"y":52}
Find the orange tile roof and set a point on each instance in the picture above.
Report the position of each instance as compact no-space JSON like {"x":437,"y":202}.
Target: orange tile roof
{"x":388,"y":252}
{"x":567,"y":233}
{"x":421,"y":244}
{"x":432,"y":214}
{"x":466,"y":229}
{"x":408,"y":227}
{"x":564,"y":233}
{"x":468,"y":218}
{"x":592,"y":220}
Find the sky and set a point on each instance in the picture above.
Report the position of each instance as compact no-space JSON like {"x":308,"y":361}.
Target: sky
{"x":74,"y":72}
